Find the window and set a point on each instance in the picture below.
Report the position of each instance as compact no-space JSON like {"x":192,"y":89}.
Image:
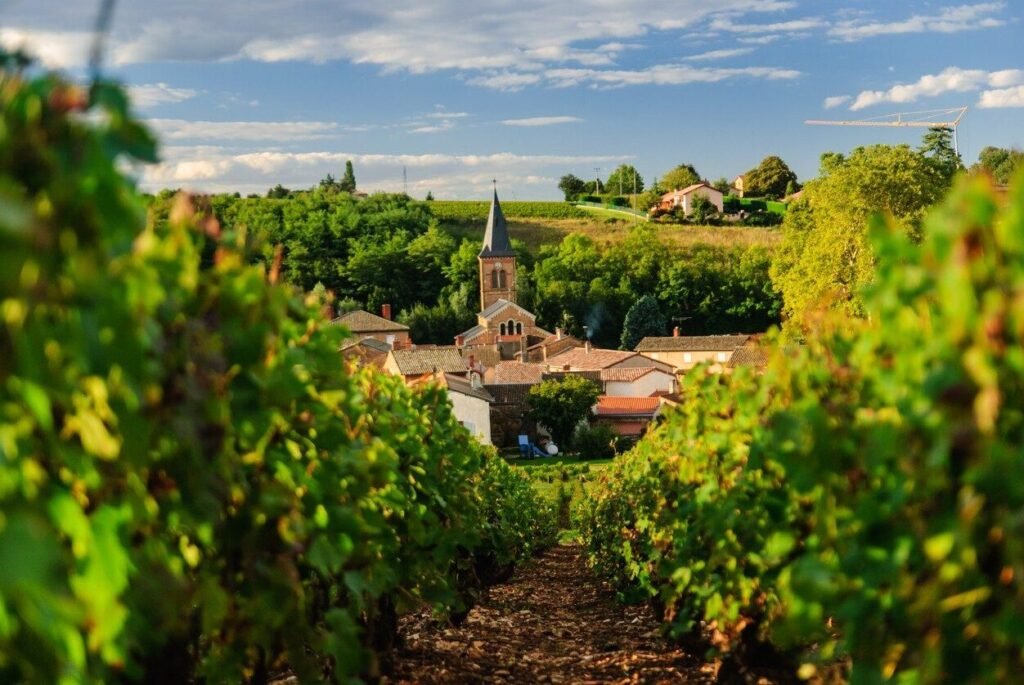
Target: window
{"x":687,"y":357}
{"x":511,"y":325}
{"x":519,"y":328}
{"x":501,"y":280}
{"x":501,"y":329}
{"x":494,"y":278}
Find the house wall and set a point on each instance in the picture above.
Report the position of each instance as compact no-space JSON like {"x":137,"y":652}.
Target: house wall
{"x":645,"y":386}
{"x":715,"y":196}
{"x":473,"y":413}
{"x":684,"y":361}
{"x":631,"y":428}
{"x":390,"y":366}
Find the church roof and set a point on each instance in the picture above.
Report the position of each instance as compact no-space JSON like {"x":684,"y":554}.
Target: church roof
{"x":496,"y":240}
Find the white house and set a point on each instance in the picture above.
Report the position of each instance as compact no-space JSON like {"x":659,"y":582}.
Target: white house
{"x":637,"y":382}
{"x":684,"y":198}
{"x":471,"y":402}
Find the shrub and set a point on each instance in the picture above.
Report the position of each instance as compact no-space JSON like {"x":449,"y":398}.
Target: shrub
{"x":618,"y":201}
{"x":595,"y":442}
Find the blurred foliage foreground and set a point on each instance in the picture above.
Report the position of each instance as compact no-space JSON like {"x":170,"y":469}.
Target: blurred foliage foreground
{"x":860,"y":505}
{"x":193,"y":487}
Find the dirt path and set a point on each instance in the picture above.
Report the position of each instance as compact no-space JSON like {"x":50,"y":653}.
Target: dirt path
{"x":552,"y":623}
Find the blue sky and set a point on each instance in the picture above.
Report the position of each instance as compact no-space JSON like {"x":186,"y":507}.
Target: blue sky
{"x":247,"y":94}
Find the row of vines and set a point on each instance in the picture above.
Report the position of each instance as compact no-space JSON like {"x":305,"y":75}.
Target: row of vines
{"x":859,"y":506}
{"x":193,"y":486}
{"x":454,"y":211}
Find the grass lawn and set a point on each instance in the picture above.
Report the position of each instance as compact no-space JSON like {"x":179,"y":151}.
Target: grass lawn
{"x":538,"y":232}
{"x":604,"y":213}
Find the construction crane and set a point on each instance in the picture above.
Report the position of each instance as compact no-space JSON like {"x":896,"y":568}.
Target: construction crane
{"x":925,"y":119}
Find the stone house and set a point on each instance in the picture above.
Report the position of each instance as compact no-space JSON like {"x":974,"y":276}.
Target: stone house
{"x":683,"y":352}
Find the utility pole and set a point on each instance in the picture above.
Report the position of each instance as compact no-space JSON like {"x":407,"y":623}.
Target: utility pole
{"x":597,"y":180}
{"x":635,"y":218}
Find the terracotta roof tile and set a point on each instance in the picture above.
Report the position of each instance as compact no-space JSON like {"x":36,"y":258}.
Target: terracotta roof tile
{"x":594,"y":359}
{"x":417,"y":361}
{"x":692,"y":343}
{"x":510,"y":373}
{"x":625,"y":375}
{"x":365,"y":322}
{"x":627,"y":406}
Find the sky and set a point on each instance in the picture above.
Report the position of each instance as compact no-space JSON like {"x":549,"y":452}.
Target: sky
{"x":246,"y":94}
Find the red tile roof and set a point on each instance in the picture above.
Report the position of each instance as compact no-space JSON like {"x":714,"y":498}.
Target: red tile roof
{"x":505,"y":373}
{"x":627,"y":406}
{"x":593,"y":360}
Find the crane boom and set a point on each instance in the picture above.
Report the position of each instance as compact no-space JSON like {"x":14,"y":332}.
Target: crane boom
{"x":924,"y":119}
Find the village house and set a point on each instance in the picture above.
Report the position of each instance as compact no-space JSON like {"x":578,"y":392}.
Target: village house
{"x":637,"y":382}
{"x":363,"y":324}
{"x":684,"y":198}
{"x":550,"y":346}
{"x":471,"y":402}
{"x":589,"y":358}
{"x":628,"y":416}
{"x":739,"y":186}
{"x":366,"y":352}
{"x":414,"y":363}
{"x":683,"y":352}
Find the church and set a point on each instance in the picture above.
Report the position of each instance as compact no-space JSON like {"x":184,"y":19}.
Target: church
{"x":503,"y":327}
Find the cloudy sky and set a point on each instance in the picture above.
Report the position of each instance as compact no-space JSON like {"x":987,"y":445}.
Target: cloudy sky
{"x":247,"y":94}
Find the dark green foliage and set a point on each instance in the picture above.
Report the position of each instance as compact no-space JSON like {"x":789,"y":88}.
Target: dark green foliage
{"x":347,"y":184}
{"x":571,"y":186}
{"x":702,"y":210}
{"x":434,"y":325}
{"x":680,"y":177}
{"x":937,"y":146}
{"x":624,"y":180}
{"x":769,"y":179}
{"x":644,"y":318}
{"x":595,"y":442}
{"x":193,"y":486}
{"x":618,"y":201}
{"x":855,"y":503}
{"x":561,"y":405}
{"x":999,"y":163}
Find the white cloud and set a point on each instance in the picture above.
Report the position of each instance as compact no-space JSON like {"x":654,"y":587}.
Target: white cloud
{"x":948,"y":20}
{"x":759,"y":40}
{"x":55,"y":49}
{"x":498,"y":45}
{"x":950,"y":80}
{"x":793,"y":26}
{"x":718,"y":54}
{"x":280,"y":131}
{"x":836,"y":101}
{"x":662,"y":75}
{"x":1002,"y":97}
{"x":152,"y":94}
{"x":541,"y":121}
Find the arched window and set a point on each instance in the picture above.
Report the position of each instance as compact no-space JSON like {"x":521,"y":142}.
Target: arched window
{"x":502,"y":283}
{"x":495,"y":279}
{"x":511,"y":327}
{"x":519,"y":328}
{"x":501,"y":329}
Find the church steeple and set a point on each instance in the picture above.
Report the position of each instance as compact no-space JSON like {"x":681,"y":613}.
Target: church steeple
{"x":497,"y":260}
{"x":496,"y":240}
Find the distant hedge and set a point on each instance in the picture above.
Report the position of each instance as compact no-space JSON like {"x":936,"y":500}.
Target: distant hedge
{"x":733,"y":205}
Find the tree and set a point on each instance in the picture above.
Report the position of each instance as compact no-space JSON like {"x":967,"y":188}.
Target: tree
{"x":562,"y":404}
{"x":278,"y":192}
{"x":722,"y":185}
{"x":1000,"y":163}
{"x":643,"y":319}
{"x":572,"y":186}
{"x":430,"y":197}
{"x":347,"y":184}
{"x":328,"y":184}
{"x":621,"y":180}
{"x":680,"y":177}
{"x":825,"y":258}
{"x":768,"y":179}
{"x":937,"y":146}
{"x":702,"y":209}
{"x":595,"y":187}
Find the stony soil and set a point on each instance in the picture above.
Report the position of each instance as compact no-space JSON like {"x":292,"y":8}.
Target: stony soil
{"x":551,"y":623}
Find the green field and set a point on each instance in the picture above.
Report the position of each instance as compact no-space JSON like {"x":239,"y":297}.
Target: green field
{"x":457,"y":211}
{"x":563,"y":481}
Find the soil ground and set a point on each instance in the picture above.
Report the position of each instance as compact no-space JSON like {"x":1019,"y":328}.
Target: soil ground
{"x":551,"y":623}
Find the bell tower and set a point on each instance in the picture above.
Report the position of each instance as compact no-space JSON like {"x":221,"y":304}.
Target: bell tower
{"x":497,"y":260}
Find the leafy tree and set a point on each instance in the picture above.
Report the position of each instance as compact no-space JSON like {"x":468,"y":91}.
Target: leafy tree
{"x":595,"y":187}
{"x":621,"y":180}
{"x":791,"y":188}
{"x":348,"y":181}
{"x":702,"y":209}
{"x":768,"y":179}
{"x":937,"y":146}
{"x":572,"y":186}
{"x":436,"y":325}
{"x":825,"y":258}
{"x":643,"y":319}
{"x":328,"y":184}
{"x":278,"y":192}
{"x":722,"y":185}
{"x":430,"y":196}
{"x":680,"y":177}
{"x":562,"y":404}
{"x":1000,"y":163}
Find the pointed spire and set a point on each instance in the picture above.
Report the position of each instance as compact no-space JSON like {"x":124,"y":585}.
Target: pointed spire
{"x":496,"y":240}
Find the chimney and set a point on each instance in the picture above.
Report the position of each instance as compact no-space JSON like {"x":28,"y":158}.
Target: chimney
{"x":460,"y":341}
{"x":586,"y":346}
{"x":558,"y":334}
{"x":385,"y":311}
{"x":675,"y":332}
